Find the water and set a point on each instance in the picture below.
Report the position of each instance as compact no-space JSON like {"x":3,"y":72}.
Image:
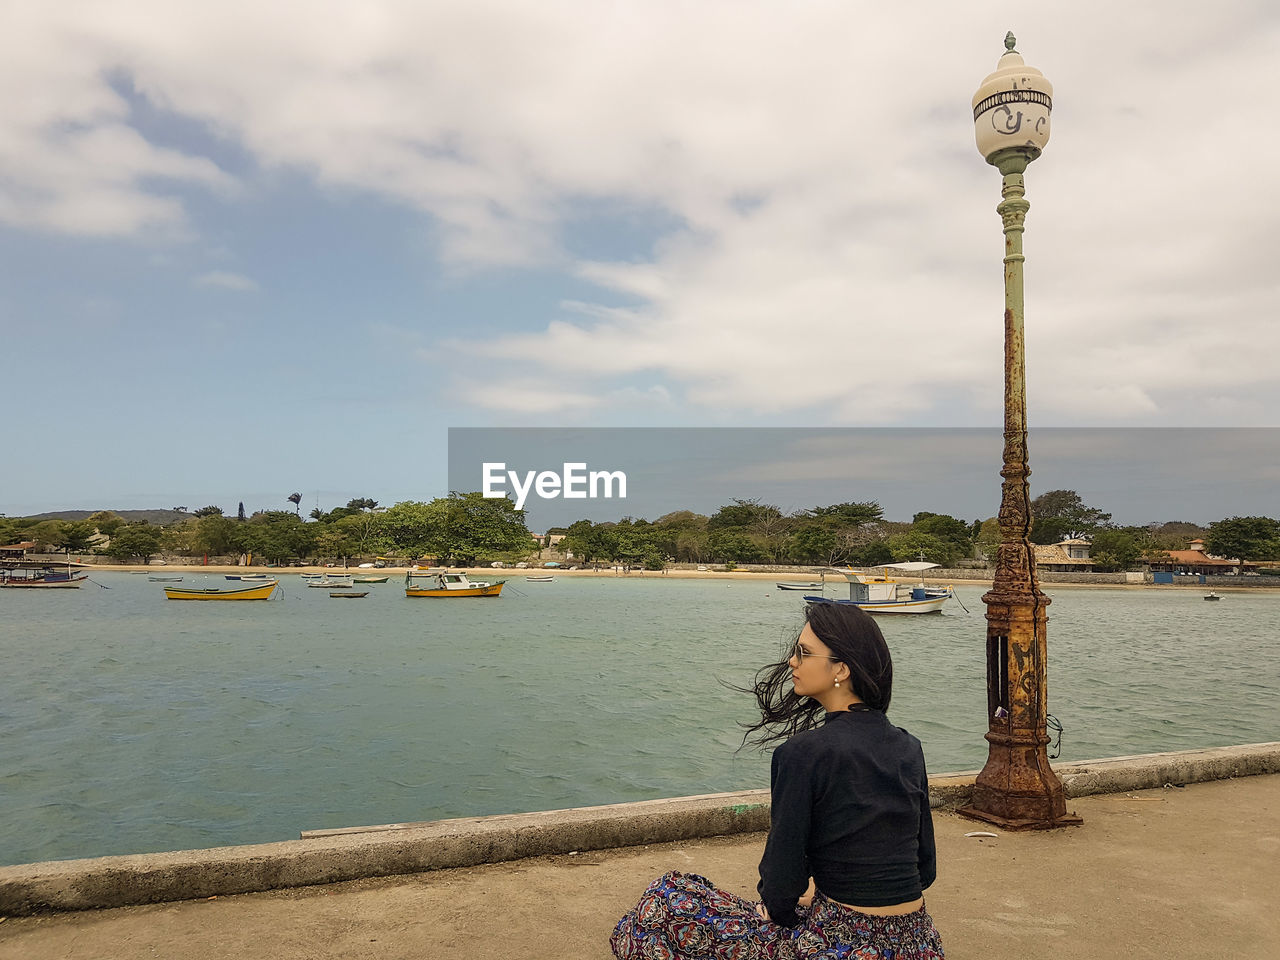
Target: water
{"x":134,"y":724}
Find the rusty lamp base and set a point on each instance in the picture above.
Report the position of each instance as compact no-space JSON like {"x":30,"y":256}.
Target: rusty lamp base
{"x":1025,"y":796}
{"x":1039,"y":823}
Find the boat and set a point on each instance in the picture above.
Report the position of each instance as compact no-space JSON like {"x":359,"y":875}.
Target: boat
{"x":349,"y":594}
{"x":539,"y":579}
{"x":442,"y":583}
{"x":165,"y":579}
{"x":799,"y":586}
{"x":885,"y":594}
{"x":248,"y":576}
{"x":371,"y":579}
{"x":329,"y":581}
{"x":1212,"y":596}
{"x":24,"y":573}
{"x":250,"y":591}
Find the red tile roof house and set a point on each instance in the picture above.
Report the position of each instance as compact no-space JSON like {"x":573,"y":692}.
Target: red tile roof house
{"x":1195,"y":560}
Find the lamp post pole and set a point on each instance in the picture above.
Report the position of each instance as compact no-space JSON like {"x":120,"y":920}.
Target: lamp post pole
{"x":1017,"y":788}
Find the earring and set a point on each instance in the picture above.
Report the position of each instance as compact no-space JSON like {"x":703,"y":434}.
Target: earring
{"x":837,"y":683}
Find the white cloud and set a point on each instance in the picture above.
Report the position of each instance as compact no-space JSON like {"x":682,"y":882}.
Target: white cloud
{"x":226,"y":280}
{"x":837,"y":254}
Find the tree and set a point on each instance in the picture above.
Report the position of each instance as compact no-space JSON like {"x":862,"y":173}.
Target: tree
{"x":743,"y":515}
{"x":105,"y":522}
{"x":1244,"y":538}
{"x":275,"y":535}
{"x":485,"y":527}
{"x":240,"y":513}
{"x":591,"y":542}
{"x":76,"y":536}
{"x":361,"y":503}
{"x":833,"y":535}
{"x":947,"y":529}
{"x":214,"y":535}
{"x":414,"y":528}
{"x":988,"y":537}
{"x":681,"y":535}
{"x":913,"y":545}
{"x":851,"y":513}
{"x":1116,"y":549}
{"x":734,"y":546}
{"x":209,"y":511}
{"x":135,"y":540}
{"x":1061,"y":515}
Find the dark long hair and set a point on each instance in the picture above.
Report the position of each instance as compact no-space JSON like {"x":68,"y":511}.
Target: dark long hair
{"x":852,"y":636}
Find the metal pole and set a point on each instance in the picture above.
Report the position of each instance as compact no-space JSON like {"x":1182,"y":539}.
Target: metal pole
{"x":1017,"y":789}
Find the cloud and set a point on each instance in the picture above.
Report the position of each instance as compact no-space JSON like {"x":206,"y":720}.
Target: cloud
{"x":226,"y":280}
{"x":832,"y":252}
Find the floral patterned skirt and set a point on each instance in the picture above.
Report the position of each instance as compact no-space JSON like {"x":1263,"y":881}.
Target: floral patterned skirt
{"x":683,"y":916}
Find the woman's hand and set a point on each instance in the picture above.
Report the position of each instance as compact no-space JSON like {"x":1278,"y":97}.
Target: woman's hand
{"x":807,"y":899}
{"x":762,"y":911}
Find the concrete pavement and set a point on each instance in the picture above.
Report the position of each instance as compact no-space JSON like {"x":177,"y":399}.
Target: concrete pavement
{"x":1168,"y":872}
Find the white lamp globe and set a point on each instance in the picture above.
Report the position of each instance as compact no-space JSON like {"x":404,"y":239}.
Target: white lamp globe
{"x":1011,"y":109}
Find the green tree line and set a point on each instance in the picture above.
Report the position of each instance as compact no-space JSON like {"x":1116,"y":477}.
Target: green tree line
{"x":462,"y":528}
{"x":466,"y":528}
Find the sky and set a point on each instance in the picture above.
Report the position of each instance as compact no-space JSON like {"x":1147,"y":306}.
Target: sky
{"x":251,"y":249}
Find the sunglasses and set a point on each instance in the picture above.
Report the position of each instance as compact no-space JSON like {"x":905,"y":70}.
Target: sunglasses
{"x":800,"y":653}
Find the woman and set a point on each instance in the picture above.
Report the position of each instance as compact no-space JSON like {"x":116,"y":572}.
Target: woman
{"x":850,"y":848}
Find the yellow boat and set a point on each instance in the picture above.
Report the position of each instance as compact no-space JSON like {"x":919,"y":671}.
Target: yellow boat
{"x":441,"y":583}
{"x":258,"y":590}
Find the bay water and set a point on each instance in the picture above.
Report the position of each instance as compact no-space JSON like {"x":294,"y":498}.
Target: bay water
{"x":135,"y":724}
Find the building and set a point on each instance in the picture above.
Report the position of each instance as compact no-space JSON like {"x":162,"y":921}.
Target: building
{"x":1195,"y":561}
{"x":1065,"y":556}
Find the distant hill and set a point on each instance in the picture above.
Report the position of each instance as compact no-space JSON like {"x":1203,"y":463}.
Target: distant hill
{"x":159,"y":517}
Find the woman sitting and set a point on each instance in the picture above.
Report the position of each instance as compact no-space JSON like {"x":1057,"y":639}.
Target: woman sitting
{"x":850,"y":848}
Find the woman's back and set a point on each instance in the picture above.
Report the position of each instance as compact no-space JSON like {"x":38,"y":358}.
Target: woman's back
{"x":851,"y":809}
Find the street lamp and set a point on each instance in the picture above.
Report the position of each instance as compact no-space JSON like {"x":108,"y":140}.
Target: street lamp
{"x":1017,"y":788}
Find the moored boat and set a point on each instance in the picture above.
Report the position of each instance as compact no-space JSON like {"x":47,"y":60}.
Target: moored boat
{"x":251,"y":591}
{"x":442,"y":583}
{"x":330,"y":581}
{"x":349,"y":594}
{"x":371,"y":579}
{"x":540,"y":579}
{"x":31,"y":574}
{"x":798,"y":586}
{"x":886,"y":595}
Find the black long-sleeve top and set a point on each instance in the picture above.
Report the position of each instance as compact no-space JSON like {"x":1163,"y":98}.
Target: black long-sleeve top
{"x":850,"y":809}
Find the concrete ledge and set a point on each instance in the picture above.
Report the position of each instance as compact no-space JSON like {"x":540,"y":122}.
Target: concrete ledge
{"x":1144,"y":771}
{"x":389,"y":849}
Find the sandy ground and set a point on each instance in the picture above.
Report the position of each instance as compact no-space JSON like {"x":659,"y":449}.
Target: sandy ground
{"x":1172,"y":873}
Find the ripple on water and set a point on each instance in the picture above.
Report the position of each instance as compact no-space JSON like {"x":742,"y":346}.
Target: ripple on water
{"x":143,"y":725}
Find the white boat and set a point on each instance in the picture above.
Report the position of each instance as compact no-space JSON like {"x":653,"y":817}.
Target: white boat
{"x":331,"y":581}
{"x":886,"y":595}
{"x":443,"y":583}
{"x":539,"y":579}
{"x":798,"y":586}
